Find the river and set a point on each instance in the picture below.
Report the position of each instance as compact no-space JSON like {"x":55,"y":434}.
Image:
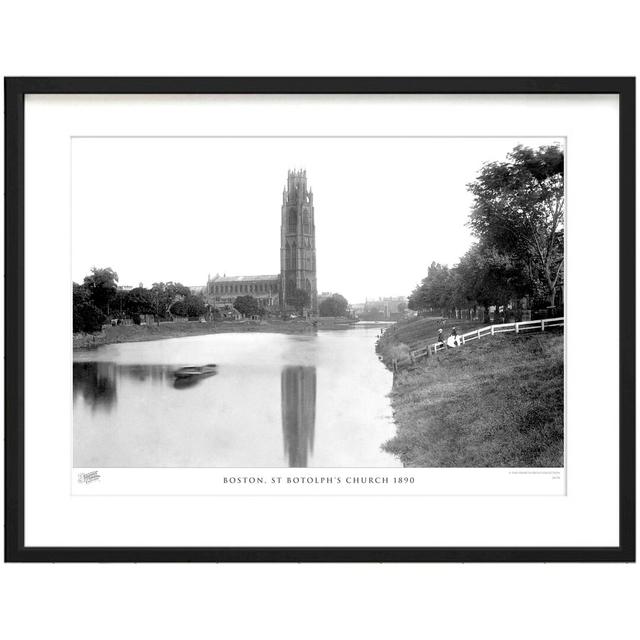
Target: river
{"x":277,"y":400}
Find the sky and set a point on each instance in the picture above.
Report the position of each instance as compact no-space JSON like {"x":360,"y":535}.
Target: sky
{"x":160,"y":209}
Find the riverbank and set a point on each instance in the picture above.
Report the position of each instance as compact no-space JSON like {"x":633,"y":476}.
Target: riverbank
{"x":402,"y":337}
{"x":497,"y":402}
{"x":166,"y":330}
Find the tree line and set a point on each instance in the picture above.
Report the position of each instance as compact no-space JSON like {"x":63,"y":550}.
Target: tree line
{"x":99,"y":299}
{"x":517,"y":220}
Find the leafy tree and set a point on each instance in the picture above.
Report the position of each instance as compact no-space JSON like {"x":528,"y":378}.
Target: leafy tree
{"x":102,"y":285}
{"x":298,"y":299}
{"x":137,"y":301}
{"x":190,"y":306}
{"x":486,"y":276}
{"x":195,"y":306}
{"x":165,"y":294}
{"x":334,"y":306}
{"x":435,"y":291}
{"x":519,"y":211}
{"x":247,"y":306}
{"x":86,"y":316}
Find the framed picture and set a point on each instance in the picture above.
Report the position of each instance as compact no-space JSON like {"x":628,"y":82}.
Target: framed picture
{"x":320,"y":319}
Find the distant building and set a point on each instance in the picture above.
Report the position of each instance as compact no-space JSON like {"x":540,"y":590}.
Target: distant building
{"x":297,"y":257}
{"x":222,"y":290}
{"x":390,"y":308}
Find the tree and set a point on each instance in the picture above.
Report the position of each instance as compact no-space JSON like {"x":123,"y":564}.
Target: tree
{"x":165,"y":294}
{"x":137,"y":301}
{"x":195,"y":306}
{"x":102,"y":285}
{"x":486,"y":276}
{"x":334,"y":306}
{"x":189,"y":306}
{"x":86,"y":316}
{"x":435,"y":291}
{"x":298,"y":299}
{"x":247,"y":306}
{"x":519,"y":211}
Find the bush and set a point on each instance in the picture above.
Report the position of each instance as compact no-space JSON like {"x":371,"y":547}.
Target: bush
{"x":399,"y":351}
{"x":87,"y":318}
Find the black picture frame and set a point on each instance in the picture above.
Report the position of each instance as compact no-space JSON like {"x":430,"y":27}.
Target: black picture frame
{"x":15,"y":91}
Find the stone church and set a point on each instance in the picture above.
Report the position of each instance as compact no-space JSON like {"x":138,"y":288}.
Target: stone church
{"x":297,"y":257}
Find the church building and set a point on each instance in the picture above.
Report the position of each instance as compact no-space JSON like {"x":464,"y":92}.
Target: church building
{"x":297,"y":257}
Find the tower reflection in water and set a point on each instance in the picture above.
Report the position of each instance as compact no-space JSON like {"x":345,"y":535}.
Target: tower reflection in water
{"x":298,"y":413}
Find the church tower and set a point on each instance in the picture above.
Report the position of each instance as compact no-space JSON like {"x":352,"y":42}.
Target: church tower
{"x":298,"y":242}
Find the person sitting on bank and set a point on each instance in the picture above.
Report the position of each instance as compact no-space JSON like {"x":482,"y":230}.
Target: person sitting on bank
{"x":441,"y":338}
{"x":454,"y":335}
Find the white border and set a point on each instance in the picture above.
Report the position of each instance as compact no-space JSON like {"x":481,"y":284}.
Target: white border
{"x":586,"y":516}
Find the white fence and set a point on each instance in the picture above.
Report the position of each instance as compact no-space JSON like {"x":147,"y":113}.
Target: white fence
{"x":511,"y":327}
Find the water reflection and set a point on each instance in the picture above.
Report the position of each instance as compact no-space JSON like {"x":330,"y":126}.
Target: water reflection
{"x":95,"y":383}
{"x":278,"y":401}
{"x":298,"y":386}
{"x":187,"y":383}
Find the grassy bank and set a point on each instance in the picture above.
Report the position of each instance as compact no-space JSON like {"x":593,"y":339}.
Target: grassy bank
{"x":165,"y":330}
{"x":497,"y":402}
{"x":406,"y":335}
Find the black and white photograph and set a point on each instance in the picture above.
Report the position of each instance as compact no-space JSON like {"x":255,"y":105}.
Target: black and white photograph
{"x":276,"y":304}
{"x":320,"y":320}
{"x":321,"y":301}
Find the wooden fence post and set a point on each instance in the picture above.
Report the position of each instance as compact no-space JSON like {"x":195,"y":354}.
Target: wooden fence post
{"x":542,"y":325}
{"x":517,"y":328}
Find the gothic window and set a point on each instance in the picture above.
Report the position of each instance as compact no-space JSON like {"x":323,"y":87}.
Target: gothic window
{"x":294,"y":256}
{"x":307,"y":285}
{"x":293,"y":221}
{"x":287,"y":257}
{"x":306,"y":225}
